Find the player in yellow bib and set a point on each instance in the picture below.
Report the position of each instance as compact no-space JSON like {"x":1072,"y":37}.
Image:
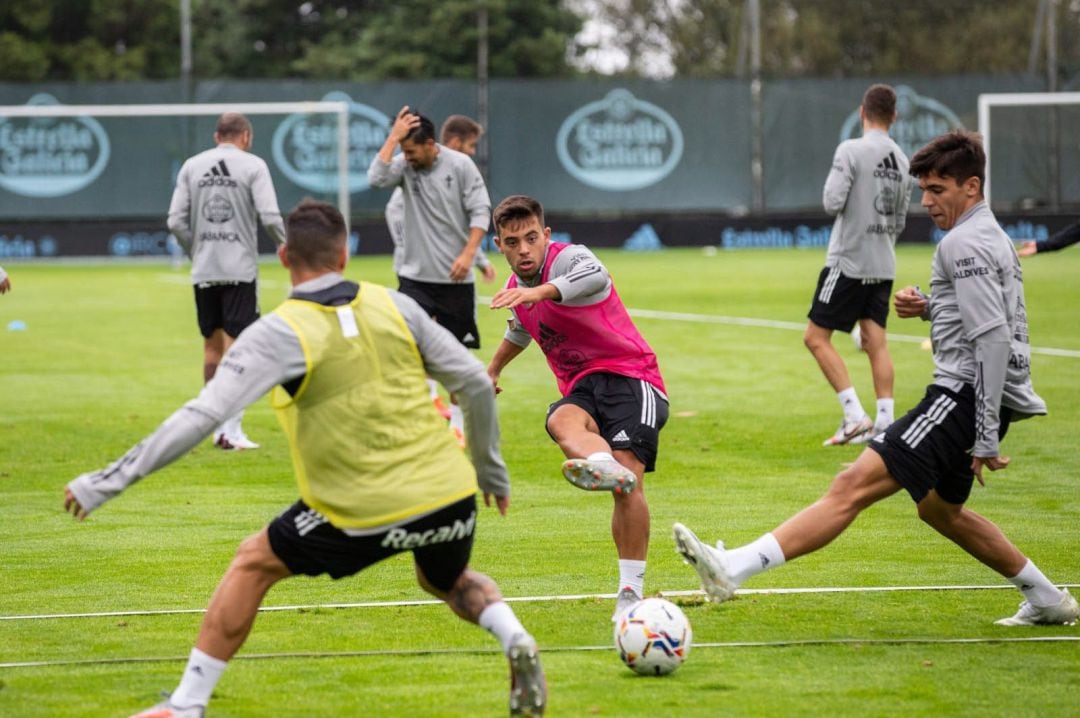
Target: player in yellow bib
{"x":377,"y":471}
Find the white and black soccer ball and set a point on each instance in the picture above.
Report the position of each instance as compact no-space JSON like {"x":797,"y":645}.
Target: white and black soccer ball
{"x":653,"y":637}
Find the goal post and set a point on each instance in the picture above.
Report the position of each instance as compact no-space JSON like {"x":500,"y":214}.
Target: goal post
{"x":1015,"y":144}
{"x":340,"y":109}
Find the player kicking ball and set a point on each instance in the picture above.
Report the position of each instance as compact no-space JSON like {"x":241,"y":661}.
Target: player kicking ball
{"x":613,"y":407}
{"x":982,"y":382}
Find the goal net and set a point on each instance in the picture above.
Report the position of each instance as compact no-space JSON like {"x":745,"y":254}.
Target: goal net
{"x":120,"y":161}
{"x":1032,"y":144}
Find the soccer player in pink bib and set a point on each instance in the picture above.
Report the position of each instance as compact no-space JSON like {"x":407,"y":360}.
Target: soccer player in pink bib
{"x":613,"y":399}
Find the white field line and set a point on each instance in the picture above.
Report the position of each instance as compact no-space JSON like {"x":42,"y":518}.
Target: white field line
{"x":791,"y":326}
{"x":510,"y":599}
{"x":555,"y":649}
{"x":795,"y":326}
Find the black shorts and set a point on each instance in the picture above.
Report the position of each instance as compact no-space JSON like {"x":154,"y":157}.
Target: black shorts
{"x":231,"y":306}
{"x":930,"y":446}
{"x":452,"y":305}
{"x":840,"y":302}
{"x":629,"y":412}
{"x":441,"y":543}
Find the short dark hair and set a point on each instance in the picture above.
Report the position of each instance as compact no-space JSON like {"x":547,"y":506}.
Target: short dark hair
{"x":879,"y":103}
{"x":314,"y":235}
{"x":516,"y":208}
{"x":459,"y":126}
{"x":232,"y":124}
{"x":958,"y":154}
{"x":423,"y":132}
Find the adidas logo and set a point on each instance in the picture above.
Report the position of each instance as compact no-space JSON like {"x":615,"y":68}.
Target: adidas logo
{"x":889,"y":168}
{"x":764,"y":560}
{"x":468,"y":337}
{"x":621,"y":436}
{"x":549,"y":338}
{"x":645,"y":239}
{"x":308,"y":521}
{"x":218,"y":176}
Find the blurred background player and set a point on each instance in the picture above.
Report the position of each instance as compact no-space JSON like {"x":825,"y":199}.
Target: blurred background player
{"x":378,"y":474}
{"x":614,"y":402}
{"x":868,"y":189}
{"x":459,"y":133}
{"x":446,"y":213}
{"x":982,"y":382}
{"x":1059,"y":240}
{"x":5,"y":282}
{"x":218,"y":197}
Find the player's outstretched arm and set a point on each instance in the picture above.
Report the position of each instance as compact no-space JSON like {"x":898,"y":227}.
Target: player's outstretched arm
{"x":266,"y":354}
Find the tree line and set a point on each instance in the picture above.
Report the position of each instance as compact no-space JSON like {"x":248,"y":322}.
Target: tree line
{"x":128,"y":40}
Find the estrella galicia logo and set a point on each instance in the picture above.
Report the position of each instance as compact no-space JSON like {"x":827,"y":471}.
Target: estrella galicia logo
{"x":305,"y":146}
{"x":619,"y":143}
{"x":50,"y":156}
{"x":918,"y":120}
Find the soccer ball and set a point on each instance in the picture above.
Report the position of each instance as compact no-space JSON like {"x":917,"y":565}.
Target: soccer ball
{"x":653,"y":637}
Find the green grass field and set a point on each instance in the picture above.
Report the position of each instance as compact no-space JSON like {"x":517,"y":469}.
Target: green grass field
{"x":111,"y":350}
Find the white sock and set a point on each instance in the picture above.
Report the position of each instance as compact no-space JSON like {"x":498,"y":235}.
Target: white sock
{"x":632,"y":574}
{"x":884,"y":412}
{"x":754,"y":558}
{"x":1036,"y":587}
{"x":499,"y":620}
{"x":457,"y":418}
{"x":600,"y":456}
{"x":849,"y":401}
{"x":200,"y":677}
{"x":433,"y":388}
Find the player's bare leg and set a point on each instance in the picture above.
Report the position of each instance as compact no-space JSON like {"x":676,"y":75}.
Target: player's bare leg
{"x":855,"y":422}
{"x":214,"y":347}
{"x":881,"y":367}
{"x":476,"y":598}
{"x":862,"y":484}
{"x":819,"y":341}
{"x":235,"y":602}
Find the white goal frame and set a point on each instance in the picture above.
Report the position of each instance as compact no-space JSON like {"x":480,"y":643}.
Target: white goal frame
{"x":338,"y":108}
{"x":1014,"y":99}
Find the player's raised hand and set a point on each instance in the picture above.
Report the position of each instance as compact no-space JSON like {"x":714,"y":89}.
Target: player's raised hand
{"x":404,"y":123}
{"x":1027,"y":249}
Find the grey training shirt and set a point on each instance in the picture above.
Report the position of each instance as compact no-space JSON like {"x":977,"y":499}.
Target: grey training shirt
{"x":979,"y":323}
{"x":868,"y":190}
{"x":268,"y":353}
{"x":442,"y":203}
{"x":219,"y":194}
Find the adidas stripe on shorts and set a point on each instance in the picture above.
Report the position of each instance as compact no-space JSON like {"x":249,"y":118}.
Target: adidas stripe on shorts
{"x":840,"y":301}
{"x":930,"y":446}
